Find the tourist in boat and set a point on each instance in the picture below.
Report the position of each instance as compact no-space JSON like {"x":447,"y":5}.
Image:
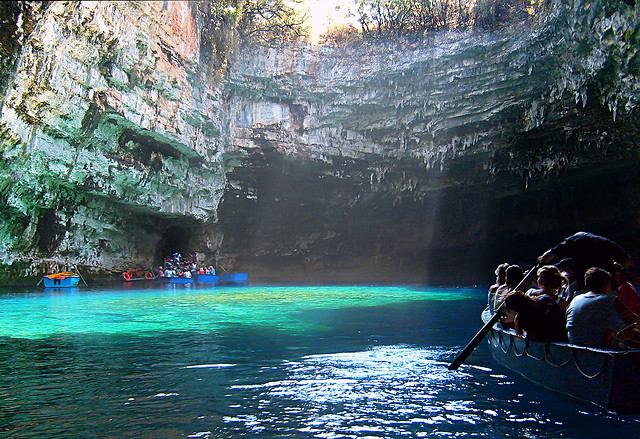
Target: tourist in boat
{"x":501,"y":273}
{"x":513,"y":276}
{"x":540,"y":318}
{"x":595,"y":316}
{"x":588,"y":250}
{"x":186,"y":274}
{"x":567,"y":269}
{"x":550,"y":283}
{"x":627,"y":293}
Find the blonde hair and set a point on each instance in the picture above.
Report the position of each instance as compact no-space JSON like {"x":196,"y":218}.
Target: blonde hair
{"x":549,"y":276}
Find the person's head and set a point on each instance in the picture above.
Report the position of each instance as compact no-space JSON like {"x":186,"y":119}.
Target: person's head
{"x":567,"y":267}
{"x":501,"y":273}
{"x":519,"y":302}
{"x":619,"y":273}
{"x":549,"y":277}
{"x":597,"y":280}
{"x":513,"y":275}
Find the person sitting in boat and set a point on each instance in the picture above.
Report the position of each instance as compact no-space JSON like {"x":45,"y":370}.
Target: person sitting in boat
{"x":501,"y":273}
{"x":595,"y":316}
{"x":212,"y":270}
{"x":588,"y":250}
{"x":186,"y":274}
{"x":550,"y":283}
{"x":567,"y":269}
{"x":168,"y":272}
{"x":201,"y":271}
{"x":627,"y":293}
{"x":161,"y":271}
{"x":513,"y":276}
{"x":539,"y":319}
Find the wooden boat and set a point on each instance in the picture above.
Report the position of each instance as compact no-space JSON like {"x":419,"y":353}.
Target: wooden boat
{"x":604,"y":377}
{"x":208,"y":279}
{"x":233,"y":279}
{"x":64,"y":279}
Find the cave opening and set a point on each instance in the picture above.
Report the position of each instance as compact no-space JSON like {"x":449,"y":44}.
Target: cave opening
{"x":174,"y":239}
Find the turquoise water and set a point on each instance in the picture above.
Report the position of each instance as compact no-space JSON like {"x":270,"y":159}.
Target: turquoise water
{"x":191,"y":309}
{"x":275,"y":362}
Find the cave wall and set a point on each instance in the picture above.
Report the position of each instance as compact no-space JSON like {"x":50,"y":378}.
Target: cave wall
{"x":109,"y":135}
{"x":415,"y":161}
{"x":435,"y":160}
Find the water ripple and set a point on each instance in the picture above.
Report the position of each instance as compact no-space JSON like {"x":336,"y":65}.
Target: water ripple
{"x":391,"y":391}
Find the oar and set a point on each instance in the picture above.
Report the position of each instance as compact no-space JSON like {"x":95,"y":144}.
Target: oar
{"x":475,"y":341}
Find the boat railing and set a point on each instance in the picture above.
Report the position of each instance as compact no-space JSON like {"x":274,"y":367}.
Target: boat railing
{"x":556,"y":354}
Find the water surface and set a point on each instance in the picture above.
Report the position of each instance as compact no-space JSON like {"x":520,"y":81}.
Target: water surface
{"x":300,"y":362}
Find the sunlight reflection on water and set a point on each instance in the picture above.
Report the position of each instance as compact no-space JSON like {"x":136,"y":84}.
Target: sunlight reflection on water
{"x":389,"y":391}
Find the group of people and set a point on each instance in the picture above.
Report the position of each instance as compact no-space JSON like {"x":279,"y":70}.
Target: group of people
{"x":177,"y":266}
{"x":587,"y":298}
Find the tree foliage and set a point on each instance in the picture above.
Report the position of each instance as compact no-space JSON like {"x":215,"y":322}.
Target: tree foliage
{"x":228,"y":23}
{"x":417,"y":17}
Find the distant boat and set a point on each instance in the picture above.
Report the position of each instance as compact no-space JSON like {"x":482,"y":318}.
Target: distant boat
{"x":208,"y":279}
{"x":61,"y":280}
{"x":181,"y":280}
{"x":607,"y":378}
{"x":233,"y":279}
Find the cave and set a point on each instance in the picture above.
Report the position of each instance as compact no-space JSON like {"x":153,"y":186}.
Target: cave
{"x":174,"y":239}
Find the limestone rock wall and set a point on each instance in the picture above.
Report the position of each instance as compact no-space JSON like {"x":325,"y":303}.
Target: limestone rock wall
{"x":109,"y":131}
{"x":438,"y":158}
{"x":387,"y":161}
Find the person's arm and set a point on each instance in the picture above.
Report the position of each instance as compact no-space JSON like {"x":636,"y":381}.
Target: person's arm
{"x":547,"y":257}
{"x":625,"y":313}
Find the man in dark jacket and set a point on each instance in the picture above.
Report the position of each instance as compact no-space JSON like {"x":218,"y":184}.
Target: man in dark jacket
{"x":588,"y":250}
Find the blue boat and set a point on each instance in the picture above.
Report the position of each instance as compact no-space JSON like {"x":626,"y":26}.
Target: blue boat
{"x":65,"y":279}
{"x":181,"y":280}
{"x":604,"y":377}
{"x":208,"y":279}
{"x":233,"y":279}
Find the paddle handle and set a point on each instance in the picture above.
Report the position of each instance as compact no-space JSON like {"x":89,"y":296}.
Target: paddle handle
{"x":475,"y":341}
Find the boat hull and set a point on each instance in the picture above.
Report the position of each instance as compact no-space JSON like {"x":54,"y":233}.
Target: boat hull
{"x":208,"y":279}
{"x":66,"y":282}
{"x":233,"y":279}
{"x":607,"y":378}
{"x":181,"y":280}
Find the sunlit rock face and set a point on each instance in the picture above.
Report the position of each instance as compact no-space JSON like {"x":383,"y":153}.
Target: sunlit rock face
{"x":109,"y":135}
{"x":390,"y":161}
{"x":438,"y":159}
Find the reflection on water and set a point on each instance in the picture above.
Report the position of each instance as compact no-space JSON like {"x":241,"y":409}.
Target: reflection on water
{"x":320,"y":362}
{"x":390,"y":391}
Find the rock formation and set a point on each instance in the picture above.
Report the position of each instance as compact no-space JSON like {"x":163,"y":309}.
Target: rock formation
{"x":386,"y":161}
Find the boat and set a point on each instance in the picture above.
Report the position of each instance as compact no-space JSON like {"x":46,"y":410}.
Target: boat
{"x":64,"y":279}
{"x":607,"y":378}
{"x":233,"y":279}
{"x":181,"y":280}
{"x":208,"y":279}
